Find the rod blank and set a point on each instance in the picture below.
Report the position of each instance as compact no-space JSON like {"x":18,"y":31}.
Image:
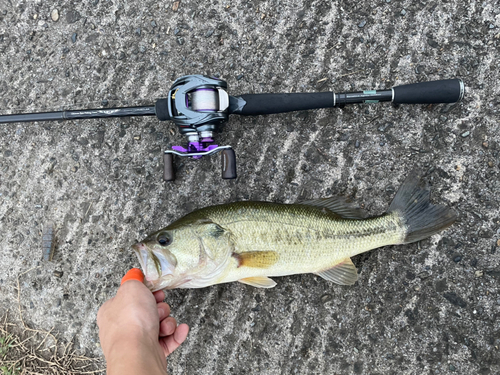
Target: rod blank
{"x":79,"y":114}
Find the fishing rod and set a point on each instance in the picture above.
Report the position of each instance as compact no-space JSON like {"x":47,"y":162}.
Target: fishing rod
{"x":199,"y":104}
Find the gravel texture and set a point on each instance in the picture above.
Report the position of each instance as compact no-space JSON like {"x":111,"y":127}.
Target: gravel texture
{"x":431,"y":307}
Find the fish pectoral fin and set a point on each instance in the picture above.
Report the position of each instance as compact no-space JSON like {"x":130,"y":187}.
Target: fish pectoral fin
{"x":259,"y":282}
{"x":344,"y":273}
{"x":338,"y":206}
{"x":256,"y":259}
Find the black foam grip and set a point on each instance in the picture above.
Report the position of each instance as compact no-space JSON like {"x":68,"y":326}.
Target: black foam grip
{"x":444,"y":91}
{"x":228,"y":164}
{"x":262,"y":104}
{"x":161,"y":109}
{"x":168,"y":171}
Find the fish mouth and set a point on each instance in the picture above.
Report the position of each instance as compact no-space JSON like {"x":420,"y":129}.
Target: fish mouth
{"x":154,"y":263}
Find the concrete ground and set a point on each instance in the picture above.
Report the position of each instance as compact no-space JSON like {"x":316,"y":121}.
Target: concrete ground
{"x":427,"y":308}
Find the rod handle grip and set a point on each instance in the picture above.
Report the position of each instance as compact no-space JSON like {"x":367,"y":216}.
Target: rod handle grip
{"x":265,"y":104}
{"x":443,"y":91}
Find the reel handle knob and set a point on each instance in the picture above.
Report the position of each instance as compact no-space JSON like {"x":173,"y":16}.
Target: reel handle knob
{"x":228,"y":162}
{"x":168,"y":171}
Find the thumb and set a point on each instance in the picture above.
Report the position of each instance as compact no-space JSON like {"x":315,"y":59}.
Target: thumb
{"x":133,"y":274}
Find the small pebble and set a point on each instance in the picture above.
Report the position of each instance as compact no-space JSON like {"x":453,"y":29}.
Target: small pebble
{"x":356,"y":144}
{"x":432,"y":43}
{"x":490,"y":164}
{"x":479,"y":273}
{"x":175,"y":6}
{"x":382,"y":128}
{"x":362,"y":24}
{"x":326,"y":297}
{"x":58,"y":273}
{"x":239,"y":77}
{"x":457,"y":258}
{"x":54,"y":15}
{"x":73,"y":37}
{"x":498,"y":243}
{"x":138,"y":31}
{"x":104,"y":103}
{"x":423,"y":275}
{"x":153,"y":23}
{"x":485,"y":144}
{"x":403,"y":12}
{"x":465,"y":134}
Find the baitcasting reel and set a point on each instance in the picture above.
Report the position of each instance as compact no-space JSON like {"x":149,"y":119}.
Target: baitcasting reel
{"x":198,"y":105}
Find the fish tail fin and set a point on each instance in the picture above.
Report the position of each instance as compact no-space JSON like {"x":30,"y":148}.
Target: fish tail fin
{"x":421,"y":218}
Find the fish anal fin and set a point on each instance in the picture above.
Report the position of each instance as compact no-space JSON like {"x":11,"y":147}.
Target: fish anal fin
{"x":338,"y":206}
{"x":344,"y":273}
{"x":256,"y":259}
{"x":259,"y":282}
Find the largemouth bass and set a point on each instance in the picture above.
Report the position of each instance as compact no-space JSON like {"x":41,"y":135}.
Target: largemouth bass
{"x":252,"y":241}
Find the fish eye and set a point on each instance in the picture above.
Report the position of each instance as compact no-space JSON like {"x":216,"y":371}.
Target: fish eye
{"x":164,"y":239}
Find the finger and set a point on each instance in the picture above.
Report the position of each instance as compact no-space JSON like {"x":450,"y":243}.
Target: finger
{"x":159,"y":296}
{"x":133,"y":274}
{"x":167,"y":326}
{"x":163,"y":310}
{"x":172,"y":342}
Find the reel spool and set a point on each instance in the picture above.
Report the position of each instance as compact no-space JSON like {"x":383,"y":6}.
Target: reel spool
{"x":203,"y":100}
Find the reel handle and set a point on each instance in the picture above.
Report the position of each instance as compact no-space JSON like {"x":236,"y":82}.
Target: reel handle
{"x":443,"y":91}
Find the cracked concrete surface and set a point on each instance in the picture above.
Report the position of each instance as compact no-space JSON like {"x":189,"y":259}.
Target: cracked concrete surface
{"x":431,"y":307}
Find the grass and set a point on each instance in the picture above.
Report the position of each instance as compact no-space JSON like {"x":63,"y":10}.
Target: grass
{"x":28,"y":351}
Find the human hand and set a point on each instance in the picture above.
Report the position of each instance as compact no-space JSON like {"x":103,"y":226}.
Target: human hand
{"x":136,"y":330}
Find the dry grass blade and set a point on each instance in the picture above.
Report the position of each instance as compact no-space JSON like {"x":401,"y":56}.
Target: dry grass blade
{"x":28,"y":351}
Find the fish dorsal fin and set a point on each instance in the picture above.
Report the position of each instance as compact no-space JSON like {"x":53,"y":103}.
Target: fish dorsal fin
{"x":259,"y":282}
{"x":256,"y":259}
{"x":337,"y":205}
{"x":344,"y":273}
